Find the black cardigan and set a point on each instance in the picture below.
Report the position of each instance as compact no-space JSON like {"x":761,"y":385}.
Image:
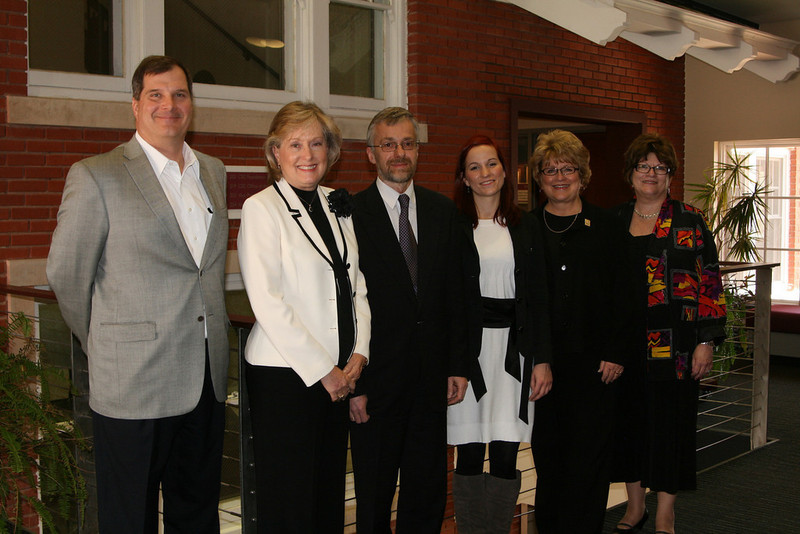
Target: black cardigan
{"x":590,"y":290}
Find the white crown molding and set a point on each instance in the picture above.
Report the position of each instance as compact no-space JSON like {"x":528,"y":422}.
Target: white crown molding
{"x":670,"y":32}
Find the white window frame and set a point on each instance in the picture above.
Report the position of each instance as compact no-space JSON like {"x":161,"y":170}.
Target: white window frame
{"x":142,"y":25}
{"x":722,"y":149}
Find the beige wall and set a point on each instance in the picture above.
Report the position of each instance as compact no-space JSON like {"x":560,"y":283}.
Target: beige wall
{"x":724,"y":107}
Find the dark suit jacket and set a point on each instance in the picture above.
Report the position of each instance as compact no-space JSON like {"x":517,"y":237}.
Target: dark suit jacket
{"x":531,"y":307}
{"x":417,"y":340}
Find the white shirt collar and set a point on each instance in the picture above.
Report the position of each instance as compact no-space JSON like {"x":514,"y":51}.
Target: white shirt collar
{"x":159,"y":161}
{"x":390,"y":195}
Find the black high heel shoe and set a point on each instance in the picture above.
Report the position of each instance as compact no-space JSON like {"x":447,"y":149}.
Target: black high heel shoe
{"x":631,"y":528}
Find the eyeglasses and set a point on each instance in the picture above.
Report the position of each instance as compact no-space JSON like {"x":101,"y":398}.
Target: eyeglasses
{"x":391,"y":146}
{"x":644,"y":168}
{"x":565,"y":171}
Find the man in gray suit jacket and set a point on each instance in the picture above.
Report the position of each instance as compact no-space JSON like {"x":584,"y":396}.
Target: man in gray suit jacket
{"x":137,"y":264}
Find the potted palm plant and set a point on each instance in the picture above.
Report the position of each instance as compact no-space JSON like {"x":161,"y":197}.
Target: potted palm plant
{"x":734,"y":204}
{"x":36,"y":458}
{"x":733,"y":200}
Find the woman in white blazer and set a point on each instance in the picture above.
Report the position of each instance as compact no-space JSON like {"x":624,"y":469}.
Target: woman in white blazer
{"x":299,"y":261}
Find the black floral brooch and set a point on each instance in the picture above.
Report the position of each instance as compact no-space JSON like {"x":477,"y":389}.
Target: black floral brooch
{"x":340,"y":202}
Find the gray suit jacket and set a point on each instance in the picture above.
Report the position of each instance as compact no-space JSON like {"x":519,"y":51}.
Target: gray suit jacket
{"x":130,"y":291}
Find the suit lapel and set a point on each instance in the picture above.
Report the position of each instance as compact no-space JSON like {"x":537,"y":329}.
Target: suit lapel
{"x":382,"y":236}
{"x":427,"y":239}
{"x":141,"y":172}
{"x":217,"y":229}
{"x":297,"y":211}
{"x":333,"y":220}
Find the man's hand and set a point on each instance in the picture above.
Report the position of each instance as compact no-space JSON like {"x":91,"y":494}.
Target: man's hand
{"x":456,"y":389}
{"x":358,"y":409}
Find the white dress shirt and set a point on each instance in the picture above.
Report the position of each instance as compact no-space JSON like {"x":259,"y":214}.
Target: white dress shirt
{"x":185,"y":193}
{"x":390,"y":197}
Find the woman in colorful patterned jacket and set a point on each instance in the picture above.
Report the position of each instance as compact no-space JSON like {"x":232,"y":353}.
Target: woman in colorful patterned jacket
{"x":682,"y":316}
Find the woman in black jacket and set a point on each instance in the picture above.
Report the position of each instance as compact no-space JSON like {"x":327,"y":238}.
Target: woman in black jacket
{"x":573,"y":429}
{"x":508,"y":339}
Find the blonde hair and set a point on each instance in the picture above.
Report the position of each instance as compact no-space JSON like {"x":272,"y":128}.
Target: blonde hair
{"x":560,"y":145}
{"x":295,"y":115}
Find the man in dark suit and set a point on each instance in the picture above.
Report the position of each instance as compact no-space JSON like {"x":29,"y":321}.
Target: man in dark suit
{"x":137,"y":263}
{"x":409,"y":258}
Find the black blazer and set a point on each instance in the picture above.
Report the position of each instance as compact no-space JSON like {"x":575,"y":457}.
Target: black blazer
{"x":596,"y":316}
{"x":531,"y":306}
{"x":417,"y":340}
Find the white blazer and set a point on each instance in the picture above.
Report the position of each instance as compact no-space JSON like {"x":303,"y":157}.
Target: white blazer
{"x":292,"y":287}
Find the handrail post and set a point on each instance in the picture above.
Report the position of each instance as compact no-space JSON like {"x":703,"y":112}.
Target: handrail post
{"x":247,"y":470}
{"x":758,"y":435}
{"x":82,"y":415}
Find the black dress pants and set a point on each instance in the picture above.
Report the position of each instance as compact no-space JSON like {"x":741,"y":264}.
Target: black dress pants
{"x":572,"y":451}
{"x":300,"y":447}
{"x":182,"y":455}
{"x":411,"y":441}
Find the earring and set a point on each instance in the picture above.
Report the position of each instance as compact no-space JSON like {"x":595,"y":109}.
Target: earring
{"x":469,"y":189}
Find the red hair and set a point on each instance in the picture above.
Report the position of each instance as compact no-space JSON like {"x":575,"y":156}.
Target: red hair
{"x":508,"y":213}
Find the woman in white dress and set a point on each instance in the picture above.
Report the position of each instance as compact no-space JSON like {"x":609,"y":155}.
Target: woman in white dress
{"x":508,"y":339}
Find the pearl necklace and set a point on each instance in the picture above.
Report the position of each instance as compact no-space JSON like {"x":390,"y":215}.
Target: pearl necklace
{"x":643,"y":216}
{"x":544,"y":217}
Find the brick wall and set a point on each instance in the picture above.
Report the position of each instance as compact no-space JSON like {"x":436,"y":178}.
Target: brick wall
{"x":469,"y":58}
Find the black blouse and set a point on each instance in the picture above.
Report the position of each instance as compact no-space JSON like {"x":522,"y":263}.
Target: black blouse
{"x":344,"y":293}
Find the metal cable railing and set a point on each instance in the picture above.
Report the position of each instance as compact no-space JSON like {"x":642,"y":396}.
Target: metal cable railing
{"x":731,"y":416}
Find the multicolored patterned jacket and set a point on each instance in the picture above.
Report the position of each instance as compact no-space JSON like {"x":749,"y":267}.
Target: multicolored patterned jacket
{"x":685,"y":301}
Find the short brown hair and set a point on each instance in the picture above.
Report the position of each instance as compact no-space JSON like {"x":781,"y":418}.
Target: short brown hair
{"x":391,"y":116}
{"x":560,"y":145}
{"x":156,"y":65}
{"x":644,"y":145}
{"x":295,"y":115}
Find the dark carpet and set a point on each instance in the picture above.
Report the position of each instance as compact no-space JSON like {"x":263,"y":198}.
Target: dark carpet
{"x":755,"y":493}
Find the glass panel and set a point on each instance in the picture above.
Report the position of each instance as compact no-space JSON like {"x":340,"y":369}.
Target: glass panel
{"x":72,"y":35}
{"x":786,"y":278}
{"x":356,"y":51}
{"x":779,"y":239}
{"x":228,"y":43}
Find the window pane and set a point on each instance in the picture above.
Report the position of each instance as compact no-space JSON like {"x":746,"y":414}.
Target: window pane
{"x":228,"y":43}
{"x":356,"y":51}
{"x":72,"y":35}
{"x":778,"y":239}
{"x":786,"y":277}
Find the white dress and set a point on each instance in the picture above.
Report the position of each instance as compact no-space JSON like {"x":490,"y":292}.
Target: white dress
{"x":495,"y":417}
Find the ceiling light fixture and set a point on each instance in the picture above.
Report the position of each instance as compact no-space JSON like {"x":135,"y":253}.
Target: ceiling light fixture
{"x":265,"y":43}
